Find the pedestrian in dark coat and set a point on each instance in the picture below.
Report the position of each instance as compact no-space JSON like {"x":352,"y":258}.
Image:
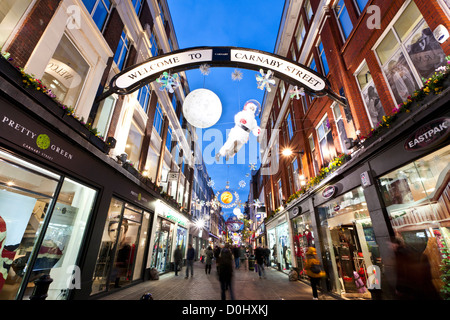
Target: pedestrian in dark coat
{"x":225,"y":270}
{"x":190,"y":261}
{"x":178,"y":259}
{"x":259,"y":256}
{"x":209,"y":254}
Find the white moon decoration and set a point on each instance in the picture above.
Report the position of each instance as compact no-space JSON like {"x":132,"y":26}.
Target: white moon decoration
{"x":202,"y":108}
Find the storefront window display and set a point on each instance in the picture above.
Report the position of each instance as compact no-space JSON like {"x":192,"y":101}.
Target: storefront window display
{"x":123,"y":246}
{"x":181,"y":238}
{"x":162,"y":248}
{"x":417,"y":200}
{"x":349,"y":242}
{"x":283,"y":246}
{"x":303,"y":239}
{"x":272,"y":242}
{"x":42,"y":225}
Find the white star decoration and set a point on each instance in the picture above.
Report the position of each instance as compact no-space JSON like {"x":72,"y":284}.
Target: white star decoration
{"x":265,"y":80}
{"x":236,"y":75}
{"x":205,"y":69}
{"x":168,"y":82}
{"x":242,"y":183}
{"x":296,"y":92}
{"x":252,"y":166}
{"x":211,"y":183}
{"x":257,"y":203}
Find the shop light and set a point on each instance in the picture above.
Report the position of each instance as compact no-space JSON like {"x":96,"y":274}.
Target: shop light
{"x":10,"y":183}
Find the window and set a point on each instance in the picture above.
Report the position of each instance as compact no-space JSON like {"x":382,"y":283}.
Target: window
{"x":134,"y":143}
{"x":282,"y":90}
{"x":323,"y":59}
{"x":122,"y":248}
{"x":104,"y":114}
{"x":340,"y":125}
{"x":99,"y":10}
{"x":169,"y":138}
{"x":409,"y":53}
{"x":296,"y":174}
{"x":312,"y":65}
{"x":137,"y":4}
{"x":174,"y":102}
{"x":151,"y":164}
{"x":158,"y":120}
{"x":300,"y":35}
{"x":122,"y":50}
{"x":289,"y":126}
{"x":370,"y":96}
{"x":309,"y":11}
{"x":154,"y":45}
{"x":313,"y":154}
{"x":326,"y":143}
{"x":344,"y":18}
{"x":11,"y":12}
{"x":143,"y":97}
{"x":280,"y":193}
{"x":361,"y":4}
{"x":66,"y":72}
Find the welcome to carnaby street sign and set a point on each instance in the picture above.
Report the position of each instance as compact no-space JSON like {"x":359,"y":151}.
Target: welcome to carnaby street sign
{"x":133,"y":78}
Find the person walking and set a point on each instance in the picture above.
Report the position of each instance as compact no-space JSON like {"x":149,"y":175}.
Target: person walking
{"x":190,"y":261}
{"x":267,"y":256}
{"x":243,"y":258}
{"x":202,"y":254}
{"x":236,"y":256}
{"x":216,"y":256}
{"x":178,"y":258}
{"x":209,"y":254}
{"x":225,"y":270}
{"x":313,"y":270}
{"x":259,"y":257}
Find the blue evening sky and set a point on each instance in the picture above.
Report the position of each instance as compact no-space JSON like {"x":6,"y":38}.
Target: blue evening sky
{"x":237,"y":23}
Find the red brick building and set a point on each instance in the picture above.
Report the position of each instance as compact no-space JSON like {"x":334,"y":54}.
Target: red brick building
{"x":375,"y":54}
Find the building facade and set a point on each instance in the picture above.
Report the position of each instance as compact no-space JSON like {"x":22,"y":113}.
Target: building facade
{"x":361,"y":179}
{"x":103,"y":185}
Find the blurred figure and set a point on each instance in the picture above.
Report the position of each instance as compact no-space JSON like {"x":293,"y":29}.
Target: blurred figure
{"x":225,"y":270}
{"x":259,"y":256}
{"x":267,"y":256}
{"x":236,"y":256}
{"x":243,"y":257}
{"x":313,"y":270}
{"x":209,"y":255}
{"x":190,"y":261}
{"x":414,"y":281}
{"x":178,"y":258}
{"x":202,"y":254}
{"x":216,"y":256}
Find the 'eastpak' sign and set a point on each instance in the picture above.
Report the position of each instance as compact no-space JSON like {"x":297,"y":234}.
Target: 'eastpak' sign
{"x":428,"y":135}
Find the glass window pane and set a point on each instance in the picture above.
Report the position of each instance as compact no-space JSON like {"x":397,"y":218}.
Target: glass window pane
{"x":400,"y":77}
{"x":151,"y":164}
{"x":127,"y":242}
{"x":364,"y":77}
{"x":374,"y":107}
{"x":134,"y":143}
{"x":425,"y":52}
{"x":344,"y":18}
{"x":362,"y":4}
{"x":89,"y":4}
{"x":106,"y":251}
{"x":66,"y":72}
{"x":407,"y":21}
{"x":104,"y":115}
{"x":387,"y":47}
{"x":10,"y":13}
{"x":22,"y":213}
{"x":141,"y":246}
{"x":100,"y":14}
{"x":64,"y":236}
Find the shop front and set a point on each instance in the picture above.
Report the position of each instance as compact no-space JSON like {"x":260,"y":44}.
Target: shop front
{"x":170,"y":230}
{"x":303,"y":235}
{"x":69,"y":214}
{"x":279,"y":243}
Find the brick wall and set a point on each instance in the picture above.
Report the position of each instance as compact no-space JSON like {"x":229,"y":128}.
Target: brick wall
{"x":31,"y":31}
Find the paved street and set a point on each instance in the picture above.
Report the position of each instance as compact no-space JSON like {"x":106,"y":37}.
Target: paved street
{"x":247,"y":286}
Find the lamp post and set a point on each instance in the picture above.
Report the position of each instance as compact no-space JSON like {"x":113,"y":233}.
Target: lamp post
{"x":287,"y":152}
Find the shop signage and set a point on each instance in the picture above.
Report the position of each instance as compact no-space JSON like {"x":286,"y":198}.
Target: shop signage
{"x":430,"y":134}
{"x":329,"y":192}
{"x":296,"y":211}
{"x":172,"y":176}
{"x":365,"y":179}
{"x":28,"y":134}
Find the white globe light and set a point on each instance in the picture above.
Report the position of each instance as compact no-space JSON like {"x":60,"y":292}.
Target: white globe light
{"x":202,"y":108}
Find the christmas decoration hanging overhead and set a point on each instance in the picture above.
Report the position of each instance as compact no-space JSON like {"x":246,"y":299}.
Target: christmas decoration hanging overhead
{"x":242,"y":184}
{"x":257,"y":203}
{"x":205,"y":69}
{"x":296,"y":92}
{"x":245,"y":123}
{"x":202,"y":108}
{"x":168,"y":82}
{"x":227,"y":198}
{"x":236,"y":75}
{"x":265,"y":80}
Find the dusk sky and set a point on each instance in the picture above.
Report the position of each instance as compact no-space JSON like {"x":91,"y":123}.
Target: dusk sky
{"x":236,"y":23}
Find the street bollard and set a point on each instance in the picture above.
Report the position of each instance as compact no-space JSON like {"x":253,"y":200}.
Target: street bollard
{"x":41,"y":287}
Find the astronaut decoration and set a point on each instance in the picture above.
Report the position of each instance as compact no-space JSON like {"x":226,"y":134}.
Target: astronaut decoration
{"x":245,"y":123}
